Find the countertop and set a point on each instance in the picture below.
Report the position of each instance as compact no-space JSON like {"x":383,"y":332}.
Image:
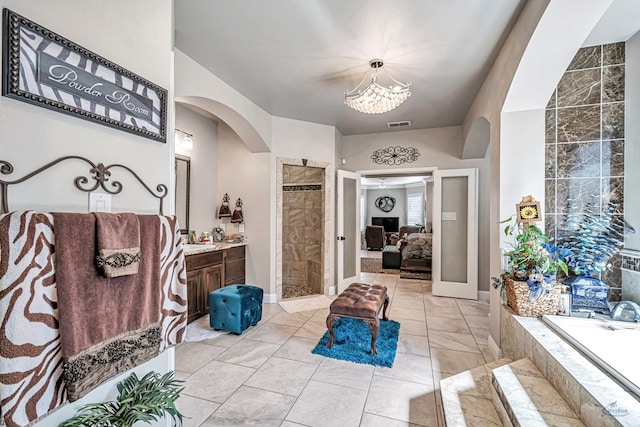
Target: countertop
{"x":199,"y":249}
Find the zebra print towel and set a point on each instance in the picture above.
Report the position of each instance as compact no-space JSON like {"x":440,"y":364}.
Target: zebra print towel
{"x":31,"y":383}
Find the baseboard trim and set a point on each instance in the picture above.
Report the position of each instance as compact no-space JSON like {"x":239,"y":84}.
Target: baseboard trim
{"x":483,"y":295}
{"x":270,"y":298}
{"x":494,"y":348}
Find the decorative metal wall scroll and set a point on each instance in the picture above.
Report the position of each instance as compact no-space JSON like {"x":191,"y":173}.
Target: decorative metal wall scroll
{"x":99,"y":173}
{"x":45,"y":69}
{"x":395,"y":155}
{"x":386,"y":203}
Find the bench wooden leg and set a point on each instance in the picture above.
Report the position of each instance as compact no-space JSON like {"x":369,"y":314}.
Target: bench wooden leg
{"x":384,"y":310}
{"x":331,"y":319}
{"x":374,"y":324}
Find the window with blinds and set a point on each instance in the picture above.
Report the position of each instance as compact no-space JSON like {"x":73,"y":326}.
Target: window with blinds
{"x":415,"y":209}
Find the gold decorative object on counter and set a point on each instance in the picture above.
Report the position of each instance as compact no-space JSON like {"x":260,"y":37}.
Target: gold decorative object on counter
{"x":225,"y":211}
{"x":237,"y":213}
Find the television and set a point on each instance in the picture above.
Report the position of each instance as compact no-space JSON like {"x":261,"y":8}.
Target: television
{"x":390,"y":223}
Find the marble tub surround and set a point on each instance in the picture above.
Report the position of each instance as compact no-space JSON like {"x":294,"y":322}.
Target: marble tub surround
{"x":595,"y":397}
{"x":268,"y":375}
{"x":585,"y":138}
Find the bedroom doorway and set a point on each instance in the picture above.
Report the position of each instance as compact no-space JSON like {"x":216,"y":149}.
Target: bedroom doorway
{"x":393,"y":199}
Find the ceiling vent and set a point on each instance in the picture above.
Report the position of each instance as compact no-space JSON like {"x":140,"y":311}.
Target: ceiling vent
{"x":392,"y":125}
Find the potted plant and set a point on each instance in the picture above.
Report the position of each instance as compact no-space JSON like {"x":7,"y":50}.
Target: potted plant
{"x":530,"y":282}
{"x":147,"y":399}
{"x":593,"y":239}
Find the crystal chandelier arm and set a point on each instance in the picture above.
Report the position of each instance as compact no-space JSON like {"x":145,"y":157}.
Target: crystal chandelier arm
{"x":353,"y":91}
{"x":402,"y":85}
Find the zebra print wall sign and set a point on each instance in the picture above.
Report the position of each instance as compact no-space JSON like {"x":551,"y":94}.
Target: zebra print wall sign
{"x":43,"y":68}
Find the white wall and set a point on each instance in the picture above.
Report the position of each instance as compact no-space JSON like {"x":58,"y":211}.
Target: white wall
{"x":439,"y":147}
{"x":399,"y":210}
{"x":522,"y":165}
{"x":246,"y":175}
{"x":198,"y":86}
{"x":204,"y":200}
{"x":33,"y":136}
{"x":137,"y":36}
{"x":296,"y":139}
{"x":632,"y":140}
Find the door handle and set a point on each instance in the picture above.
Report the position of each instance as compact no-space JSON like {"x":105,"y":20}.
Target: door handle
{"x":341,"y":238}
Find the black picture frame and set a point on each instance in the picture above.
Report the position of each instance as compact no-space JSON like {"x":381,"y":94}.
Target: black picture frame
{"x":43,"y":68}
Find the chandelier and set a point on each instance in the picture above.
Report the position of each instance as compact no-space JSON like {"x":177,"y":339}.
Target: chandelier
{"x":376,"y":99}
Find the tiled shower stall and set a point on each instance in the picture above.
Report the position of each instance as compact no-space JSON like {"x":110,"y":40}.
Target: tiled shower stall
{"x":302,"y":230}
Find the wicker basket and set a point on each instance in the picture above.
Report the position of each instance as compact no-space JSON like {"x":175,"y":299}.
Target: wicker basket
{"x":518,"y":299}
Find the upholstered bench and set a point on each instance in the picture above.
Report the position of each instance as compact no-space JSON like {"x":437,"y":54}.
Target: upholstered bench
{"x":360,"y":301}
{"x":391,"y":257}
{"x":235,"y":307}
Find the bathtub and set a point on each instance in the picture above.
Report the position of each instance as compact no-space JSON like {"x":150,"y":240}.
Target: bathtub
{"x":614,"y":346}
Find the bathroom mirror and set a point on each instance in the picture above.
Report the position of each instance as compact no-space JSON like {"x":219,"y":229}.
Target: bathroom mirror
{"x":183,"y":183}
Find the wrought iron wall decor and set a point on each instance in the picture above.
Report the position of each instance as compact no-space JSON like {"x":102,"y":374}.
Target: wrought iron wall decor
{"x":395,"y":155}
{"x":385,"y":203}
{"x":43,"y":68}
{"x":237,"y":213}
{"x":225,"y":210}
{"x":99,"y":173}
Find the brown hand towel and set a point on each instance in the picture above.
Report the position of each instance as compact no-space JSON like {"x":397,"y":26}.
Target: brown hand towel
{"x":118,"y":240}
{"x":107,"y":325}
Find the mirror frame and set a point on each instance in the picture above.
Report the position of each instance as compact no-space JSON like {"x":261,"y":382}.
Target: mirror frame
{"x":187,"y":160}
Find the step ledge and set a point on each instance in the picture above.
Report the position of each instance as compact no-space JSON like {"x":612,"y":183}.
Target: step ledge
{"x":467,"y":397}
{"x":528,"y":398}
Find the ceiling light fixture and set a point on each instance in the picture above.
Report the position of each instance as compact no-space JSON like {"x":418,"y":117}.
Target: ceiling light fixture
{"x":187,"y":141}
{"x":376,"y":99}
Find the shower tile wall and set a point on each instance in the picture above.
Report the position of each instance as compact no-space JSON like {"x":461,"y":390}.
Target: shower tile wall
{"x":302,"y":226}
{"x":584,"y":150}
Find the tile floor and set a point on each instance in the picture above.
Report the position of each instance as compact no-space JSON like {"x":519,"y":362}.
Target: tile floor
{"x":268,"y":376}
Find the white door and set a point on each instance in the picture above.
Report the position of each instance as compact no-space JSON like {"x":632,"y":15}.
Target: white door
{"x":455,"y":233}
{"x":348,"y":228}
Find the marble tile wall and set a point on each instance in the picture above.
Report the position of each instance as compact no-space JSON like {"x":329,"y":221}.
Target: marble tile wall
{"x":302,"y":226}
{"x":584,"y":150}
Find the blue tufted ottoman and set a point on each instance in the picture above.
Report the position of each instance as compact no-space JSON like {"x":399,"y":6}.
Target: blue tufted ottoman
{"x":236,"y":307}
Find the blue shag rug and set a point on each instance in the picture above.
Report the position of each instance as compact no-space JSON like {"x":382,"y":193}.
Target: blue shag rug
{"x":353,"y":342}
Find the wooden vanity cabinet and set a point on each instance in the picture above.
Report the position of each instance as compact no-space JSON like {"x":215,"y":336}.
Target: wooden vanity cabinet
{"x":209,"y":271}
{"x":204,"y":274}
{"x":234,"y":266}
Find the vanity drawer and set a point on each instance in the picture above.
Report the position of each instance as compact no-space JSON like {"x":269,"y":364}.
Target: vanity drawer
{"x":235,"y":253}
{"x":197,"y":261}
